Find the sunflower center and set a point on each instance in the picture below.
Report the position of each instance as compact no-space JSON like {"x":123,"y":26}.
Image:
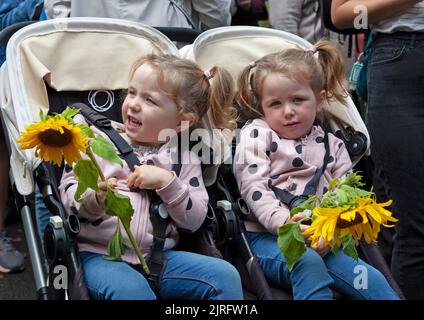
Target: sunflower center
{"x":346,"y":224}
{"x":55,"y":139}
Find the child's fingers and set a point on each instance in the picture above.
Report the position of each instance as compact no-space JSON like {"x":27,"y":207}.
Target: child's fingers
{"x":297,"y":217}
{"x":134,"y":180}
{"x":130,"y":180}
{"x":303,"y":227}
{"x":102,"y":186}
{"x":113,"y":182}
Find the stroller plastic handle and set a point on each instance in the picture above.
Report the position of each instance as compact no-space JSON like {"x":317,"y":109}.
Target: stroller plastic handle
{"x":7,"y":33}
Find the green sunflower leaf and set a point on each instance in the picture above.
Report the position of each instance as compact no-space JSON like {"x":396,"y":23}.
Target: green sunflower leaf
{"x":87,"y":176}
{"x":335,"y":249}
{"x":348,"y":247}
{"x":308,"y":204}
{"x":116,"y":246}
{"x":105,"y":149}
{"x":69,"y":113}
{"x":332,"y":183}
{"x":119,"y":205}
{"x":41,"y":114}
{"x":342,"y":196}
{"x":86,"y":131}
{"x":291,"y":243}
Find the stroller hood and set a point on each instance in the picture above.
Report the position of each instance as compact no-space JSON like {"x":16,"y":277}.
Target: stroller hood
{"x":66,"y":54}
{"x":234,"y":47}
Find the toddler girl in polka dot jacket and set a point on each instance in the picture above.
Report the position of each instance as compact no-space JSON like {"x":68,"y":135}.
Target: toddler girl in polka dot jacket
{"x":163,"y":92}
{"x":281,"y":95}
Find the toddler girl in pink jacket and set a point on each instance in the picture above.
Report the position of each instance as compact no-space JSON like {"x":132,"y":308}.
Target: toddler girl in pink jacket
{"x":280,"y":151}
{"x":163,"y":92}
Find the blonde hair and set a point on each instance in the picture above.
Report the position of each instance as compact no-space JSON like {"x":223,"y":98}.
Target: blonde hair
{"x":325,"y":73}
{"x":185,"y":82}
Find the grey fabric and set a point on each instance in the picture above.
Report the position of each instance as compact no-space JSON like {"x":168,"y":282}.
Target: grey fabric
{"x":158,"y":13}
{"x":10,"y":259}
{"x":300,"y":17}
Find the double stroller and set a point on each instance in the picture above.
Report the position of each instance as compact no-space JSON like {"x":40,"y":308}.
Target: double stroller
{"x":55,"y":63}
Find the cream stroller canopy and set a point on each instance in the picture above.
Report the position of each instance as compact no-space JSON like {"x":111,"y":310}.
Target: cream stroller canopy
{"x":234,"y":47}
{"x":68,"y":54}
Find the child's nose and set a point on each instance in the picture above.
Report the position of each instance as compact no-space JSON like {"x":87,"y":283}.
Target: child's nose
{"x":135,"y":105}
{"x":288,"y":111}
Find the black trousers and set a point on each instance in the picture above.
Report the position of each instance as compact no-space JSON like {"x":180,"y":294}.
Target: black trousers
{"x":396,"y":125}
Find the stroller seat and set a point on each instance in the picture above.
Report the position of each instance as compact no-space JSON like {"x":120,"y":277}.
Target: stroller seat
{"x":233,"y":48}
{"x":50,"y":65}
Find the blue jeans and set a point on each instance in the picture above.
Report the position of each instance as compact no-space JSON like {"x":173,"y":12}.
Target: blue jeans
{"x":396,"y":126}
{"x":312,"y":276}
{"x":187,"y":275}
{"x":42,"y":214}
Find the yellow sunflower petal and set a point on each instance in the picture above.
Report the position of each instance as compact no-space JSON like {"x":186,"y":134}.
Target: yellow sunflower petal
{"x":54,"y":138}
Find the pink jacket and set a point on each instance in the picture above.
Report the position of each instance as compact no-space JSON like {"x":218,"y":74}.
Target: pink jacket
{"x":185,"y":197}
{"x":263,"y":159}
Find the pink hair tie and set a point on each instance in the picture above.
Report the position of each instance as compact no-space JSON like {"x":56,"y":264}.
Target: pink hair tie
{"x":252,"y":64}
{"x":207,"y":74}
{"x":312,"y":49}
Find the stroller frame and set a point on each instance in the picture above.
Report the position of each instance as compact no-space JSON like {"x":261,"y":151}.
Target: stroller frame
{"x":224,"y":221}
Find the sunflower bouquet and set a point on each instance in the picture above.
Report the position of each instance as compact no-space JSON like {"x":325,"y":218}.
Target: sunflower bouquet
{"x":58,"y":138}
{"x":342,"y":217}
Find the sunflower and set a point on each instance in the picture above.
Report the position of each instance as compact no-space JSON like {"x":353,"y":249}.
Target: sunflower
{"x":54,"y":138}
{"x":362,"y":219}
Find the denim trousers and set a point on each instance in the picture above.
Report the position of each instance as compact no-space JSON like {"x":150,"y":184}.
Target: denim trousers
{"x":42,"y":214}
{"x":396,"y":125}
{"x":312,"y":276}
{"x":187,"y":276}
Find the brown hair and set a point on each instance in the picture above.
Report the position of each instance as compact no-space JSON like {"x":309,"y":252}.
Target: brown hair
{"x":185,"y":82}
{"x":325,"y":73}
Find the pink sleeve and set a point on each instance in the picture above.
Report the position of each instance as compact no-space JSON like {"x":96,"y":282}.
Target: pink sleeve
{"x":185,"y":196}
{"x":343,"y":164}
{"x":252,"y":172}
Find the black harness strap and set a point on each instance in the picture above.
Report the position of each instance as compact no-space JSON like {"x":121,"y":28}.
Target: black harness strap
{"x":158,"y":213}
{"x":311,"y":187}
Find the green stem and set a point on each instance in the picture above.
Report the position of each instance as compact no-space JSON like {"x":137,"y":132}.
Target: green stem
{"x":136,"y":249}
{"x":127,"y":229}
{"x":93,"y":159}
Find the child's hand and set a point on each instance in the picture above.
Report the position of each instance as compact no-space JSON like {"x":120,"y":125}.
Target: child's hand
{"x":101,"y":194}
{"x":322,"y":248}
{"x":149,"y":177}
{"x":296,"y":218}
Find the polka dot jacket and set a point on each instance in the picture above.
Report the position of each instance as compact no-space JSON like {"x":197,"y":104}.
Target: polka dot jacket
{"x":263,"y":160}
{"x":185,"y":198}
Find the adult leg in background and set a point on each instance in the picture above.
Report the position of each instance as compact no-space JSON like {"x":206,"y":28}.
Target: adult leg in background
{"x":396,"y":125}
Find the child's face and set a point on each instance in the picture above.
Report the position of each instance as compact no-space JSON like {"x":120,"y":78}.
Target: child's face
{"x":289,"y":106}
{"x":147,"y":110}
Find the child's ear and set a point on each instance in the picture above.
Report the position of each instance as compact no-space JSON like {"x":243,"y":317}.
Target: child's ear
{"x":320,"y":100}
{"x":186,"y":120}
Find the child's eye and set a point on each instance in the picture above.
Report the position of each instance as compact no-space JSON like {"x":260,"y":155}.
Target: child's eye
{"x":298,"y":100}
{"x":131,"y":92}
{"x":275,"y":104}
{"x":151,"y":101}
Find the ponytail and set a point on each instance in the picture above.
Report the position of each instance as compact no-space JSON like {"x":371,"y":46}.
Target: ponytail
{"x":333,"y":69}
{"x":246,"y":98}
{"x":221,"y":98}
